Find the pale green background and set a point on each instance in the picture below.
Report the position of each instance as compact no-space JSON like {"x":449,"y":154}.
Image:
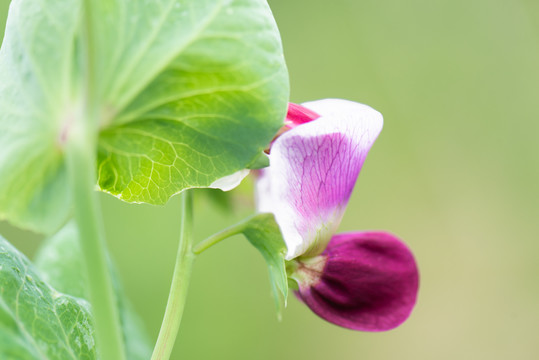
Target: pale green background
{"x":455,"y":173}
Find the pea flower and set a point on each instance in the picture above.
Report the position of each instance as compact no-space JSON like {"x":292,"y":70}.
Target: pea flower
{"x":364,"y":281}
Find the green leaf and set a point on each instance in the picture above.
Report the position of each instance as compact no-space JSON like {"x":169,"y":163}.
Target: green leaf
{"x":36,"y":89}
{"x":264,"y":234}
{"x":59,"y":261}
{"x":36,"y":321}
{"x":196,"y":97}
{"x":188,"y":91}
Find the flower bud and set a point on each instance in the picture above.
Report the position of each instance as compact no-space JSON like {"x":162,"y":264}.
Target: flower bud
{"x":365,"y":281}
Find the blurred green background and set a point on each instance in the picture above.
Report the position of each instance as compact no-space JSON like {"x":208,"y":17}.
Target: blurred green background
{"x":455,"y":173}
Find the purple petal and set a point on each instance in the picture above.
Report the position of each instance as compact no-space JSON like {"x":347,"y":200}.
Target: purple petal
{"x":363,"y":281}
{"x":312,"y":172}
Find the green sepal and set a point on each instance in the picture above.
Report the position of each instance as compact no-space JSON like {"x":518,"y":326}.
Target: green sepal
{"x":264,"y":234}
{"x":260,"y":162}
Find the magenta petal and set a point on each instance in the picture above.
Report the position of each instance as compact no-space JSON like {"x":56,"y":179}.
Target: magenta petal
{"x":369,"y":282}
{"x":298,"y":115}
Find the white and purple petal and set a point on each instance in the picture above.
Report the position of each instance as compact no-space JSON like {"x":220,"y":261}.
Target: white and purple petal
{"x":362,"y":281}
{"x":313,"y":170}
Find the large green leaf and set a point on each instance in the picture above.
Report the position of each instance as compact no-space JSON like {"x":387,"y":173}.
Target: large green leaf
{"x":59,"y":262}
{"x":196,"y":97}
{"x":187,"y":92}
{"x":36,"y":321}
{"x":36,"y":96}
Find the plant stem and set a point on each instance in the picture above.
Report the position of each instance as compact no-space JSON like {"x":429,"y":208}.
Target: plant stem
{"x":80,"y":152}
{"x":91,"y":93}
{"x":80,"y":140}
{"x":180,"y":282}
{"x":218,"y":237}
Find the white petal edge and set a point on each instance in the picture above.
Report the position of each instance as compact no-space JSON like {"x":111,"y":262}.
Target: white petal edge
{"x":229,"y":182}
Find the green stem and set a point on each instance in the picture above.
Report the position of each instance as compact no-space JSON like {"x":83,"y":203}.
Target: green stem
{"x":218,"y":237}
{"x":180,"y":283}
{"x":81,"y":165}
{"x":91,"y":94}
{"x":80,"y":141}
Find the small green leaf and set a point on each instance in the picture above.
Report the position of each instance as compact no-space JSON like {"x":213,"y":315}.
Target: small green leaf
{"x":36,"y":321}
{"x":264,"y":234}
{"x":59,"y":261}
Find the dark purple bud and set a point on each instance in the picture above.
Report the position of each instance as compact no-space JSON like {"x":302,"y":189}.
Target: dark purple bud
{"x":365,"y":281}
